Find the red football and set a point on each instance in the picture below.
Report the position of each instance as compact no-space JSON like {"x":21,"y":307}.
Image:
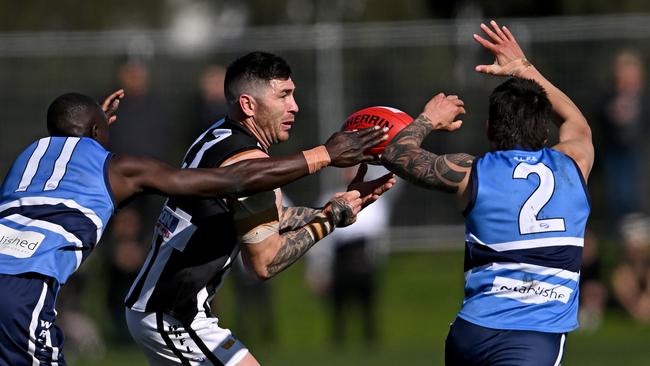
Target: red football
{"x":389,"y":117}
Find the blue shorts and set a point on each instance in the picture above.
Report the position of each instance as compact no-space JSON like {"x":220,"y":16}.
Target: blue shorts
{"x":28,"y":335}
{"x":469,"y":344}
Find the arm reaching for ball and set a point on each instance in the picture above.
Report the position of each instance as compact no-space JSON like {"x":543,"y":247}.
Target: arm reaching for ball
{"x":404,"y":156}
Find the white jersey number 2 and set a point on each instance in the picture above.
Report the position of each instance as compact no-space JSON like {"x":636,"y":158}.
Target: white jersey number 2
{"x":529,"y":223}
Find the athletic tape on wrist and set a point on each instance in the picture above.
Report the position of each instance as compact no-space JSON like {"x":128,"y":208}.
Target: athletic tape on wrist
{"x":317,"y":158}
{"x":321,"y":226}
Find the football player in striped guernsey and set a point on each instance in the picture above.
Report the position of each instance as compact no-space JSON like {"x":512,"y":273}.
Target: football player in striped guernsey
{"x":196,"y":240}
{"x":61,"y":191}
{"x":525,"y":206}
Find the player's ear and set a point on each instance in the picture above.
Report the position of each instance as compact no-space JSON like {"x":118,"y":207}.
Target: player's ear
{"x":247,"y":104}
{"x":94,"y":131}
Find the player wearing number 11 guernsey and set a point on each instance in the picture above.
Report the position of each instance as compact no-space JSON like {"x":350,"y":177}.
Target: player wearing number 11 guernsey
{"x":525,"y":208}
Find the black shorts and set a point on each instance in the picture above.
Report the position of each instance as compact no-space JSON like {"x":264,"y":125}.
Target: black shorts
{"x":28,"y":335}
{"x":468,"y":344}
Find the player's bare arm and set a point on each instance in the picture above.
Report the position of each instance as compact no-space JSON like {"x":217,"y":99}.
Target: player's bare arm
{"x":370,"y":191}
{"x":268,"y":252}
{"x":404,"y":156}
{"x":574,"y":131}
{"x":295,"y":217}
{"x":133,"y":175}
{"x":339,"y":212}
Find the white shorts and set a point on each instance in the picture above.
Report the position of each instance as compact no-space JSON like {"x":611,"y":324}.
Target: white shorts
{"x":165,"y":341}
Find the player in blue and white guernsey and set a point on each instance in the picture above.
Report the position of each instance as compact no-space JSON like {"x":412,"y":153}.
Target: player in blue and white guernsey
{"x":62,"y":190}
{"x":196,"y":240}
{"x":525,"y":206}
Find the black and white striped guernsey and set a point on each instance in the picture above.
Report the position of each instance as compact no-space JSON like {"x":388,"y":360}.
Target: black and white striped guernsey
{"x":195,"y":240}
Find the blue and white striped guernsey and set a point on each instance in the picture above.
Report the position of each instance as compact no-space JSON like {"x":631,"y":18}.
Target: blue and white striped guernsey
{"x":524,"y":236}
{"x":54,"y":205}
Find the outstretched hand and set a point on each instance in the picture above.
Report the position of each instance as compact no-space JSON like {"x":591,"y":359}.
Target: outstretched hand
{"x":110,"y":105}
{"x":371,"y":190}
{"x":346,"y":148}
{"x":510,"y":59}
{"x":442,"y":110}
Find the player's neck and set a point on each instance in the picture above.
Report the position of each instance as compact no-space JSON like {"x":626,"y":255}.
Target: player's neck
{"x":250,"y":124}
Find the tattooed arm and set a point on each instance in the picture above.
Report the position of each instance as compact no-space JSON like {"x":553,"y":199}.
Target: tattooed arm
{"x":339,"y":212}
{"x":296,"y":217}
{"x":278,"y":251}
{"x":404,"y":156}
{"x":268,"y":254}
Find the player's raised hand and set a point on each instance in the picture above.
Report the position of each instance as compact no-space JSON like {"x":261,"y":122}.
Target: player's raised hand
{"x":346,"y":148}
{"x":110,"y":105}
{"x":509,"y":58}
{"x":371,"y":190}
{"x":442,"y":110}
{"x":344,"y":207}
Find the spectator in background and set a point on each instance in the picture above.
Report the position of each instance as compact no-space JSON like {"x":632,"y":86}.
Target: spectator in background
{"x":631,"y":279}
{"x":344,"y":268}
{"x":144,"y":127}
{"x":211,"y":104}
{"x":593,"y":293}
{"x":624,"y":119}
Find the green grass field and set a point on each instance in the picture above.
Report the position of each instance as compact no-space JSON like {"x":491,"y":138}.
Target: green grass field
{"x":419,"y":296}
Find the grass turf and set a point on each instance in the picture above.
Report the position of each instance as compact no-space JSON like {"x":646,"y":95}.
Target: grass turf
{"x":419,"y":295}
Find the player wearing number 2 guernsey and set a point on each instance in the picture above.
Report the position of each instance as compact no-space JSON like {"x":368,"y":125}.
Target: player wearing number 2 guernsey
{"x":524,"y":237}
{"x":525,"y":206}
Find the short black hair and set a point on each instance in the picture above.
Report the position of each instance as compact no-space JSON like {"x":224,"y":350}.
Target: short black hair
{"x":519,"y":116}
{"x":71,"y":115}
{"x":252,"y":68}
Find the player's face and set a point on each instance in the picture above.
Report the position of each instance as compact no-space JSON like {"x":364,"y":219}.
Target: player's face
{"x":276,"y":110}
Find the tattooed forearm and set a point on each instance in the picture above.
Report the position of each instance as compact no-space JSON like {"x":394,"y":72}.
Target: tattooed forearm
{"x":415,"y":132}
{"x":296,"y":243}
{"x":295,"y":217}
{"x":404,"y":157}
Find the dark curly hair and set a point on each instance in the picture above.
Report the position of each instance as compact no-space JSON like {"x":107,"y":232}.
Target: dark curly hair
{"x":251,"y":69}
{"x":520,"y":113}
